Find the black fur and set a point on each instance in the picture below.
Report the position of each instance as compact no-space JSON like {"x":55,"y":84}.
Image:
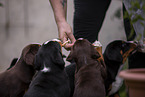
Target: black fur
{"x":53,"y":83}
{"x":114,"y":55}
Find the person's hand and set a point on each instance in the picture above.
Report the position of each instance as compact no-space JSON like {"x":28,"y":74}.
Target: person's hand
{"x":65,"y":33}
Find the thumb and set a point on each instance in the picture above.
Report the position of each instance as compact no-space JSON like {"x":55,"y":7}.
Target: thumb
{"x":71,"y":37}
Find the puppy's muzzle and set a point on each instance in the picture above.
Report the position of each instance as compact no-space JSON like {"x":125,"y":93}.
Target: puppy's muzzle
{"x":136,"y":45}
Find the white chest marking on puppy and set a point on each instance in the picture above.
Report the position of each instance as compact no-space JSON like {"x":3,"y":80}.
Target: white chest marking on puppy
{"x":52,"y":40}
{"x":45,"y":69}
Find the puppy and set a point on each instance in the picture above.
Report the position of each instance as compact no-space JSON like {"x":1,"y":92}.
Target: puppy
{"x":51,"y":79}
{"x":115,"y":55}
{"x":89,"y":72}
{"x":15,"y":81}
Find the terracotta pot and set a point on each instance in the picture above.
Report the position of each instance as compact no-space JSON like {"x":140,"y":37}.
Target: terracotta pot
{"x":135,"y":81}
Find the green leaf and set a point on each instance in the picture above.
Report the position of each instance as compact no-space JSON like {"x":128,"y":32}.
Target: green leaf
{"x":143,"y":7}
{"x":1,"y":4}
{"x":136,"y":4}
{"x":126,"y":15}
{"x":131,"y":33}
{"x":134,"y":20}
{"x":142,"y":24}
{"x":139,"y":36}
{"x":130,"y":9}
{"x":138,"y":17}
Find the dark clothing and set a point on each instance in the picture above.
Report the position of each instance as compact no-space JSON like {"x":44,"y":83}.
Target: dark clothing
{"x":88,"y":18}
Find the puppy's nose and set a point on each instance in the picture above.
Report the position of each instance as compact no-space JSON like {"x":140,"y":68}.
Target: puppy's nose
{"x":136,"y":45}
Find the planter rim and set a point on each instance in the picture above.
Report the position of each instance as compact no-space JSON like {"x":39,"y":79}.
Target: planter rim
{"x":133,"y":74}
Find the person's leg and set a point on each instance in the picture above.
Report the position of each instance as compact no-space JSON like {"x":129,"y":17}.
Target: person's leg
{"x":88,"y":18}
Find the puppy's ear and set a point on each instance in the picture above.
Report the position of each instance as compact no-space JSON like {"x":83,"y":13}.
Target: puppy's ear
{"x":37,"y":62}
{"x":29,"y":53}
{"x":57,"y":58}
{"x":95,"y":54}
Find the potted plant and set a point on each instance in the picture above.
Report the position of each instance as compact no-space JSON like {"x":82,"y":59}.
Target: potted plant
{"x":135,"y":78}
{"x":135,"y":81}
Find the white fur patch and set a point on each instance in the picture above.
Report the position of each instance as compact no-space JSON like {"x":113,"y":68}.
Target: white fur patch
{"x":57,"y":40}
{"x":80,"y":38}
{"x":46,"y":42}
{"x":46,"y":69}
{"x":97,"y":44}
{"x":117,"y":83}
{"x":131,"y":41}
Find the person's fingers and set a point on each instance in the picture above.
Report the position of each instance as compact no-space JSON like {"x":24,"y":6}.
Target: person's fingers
{"x":71,"y":37}
{"x":68,"y":41}
{"x":64,"y":38}
{"x":68,"y":46}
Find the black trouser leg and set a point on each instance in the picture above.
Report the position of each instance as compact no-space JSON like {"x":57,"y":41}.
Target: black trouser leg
{"x":88,"y":18}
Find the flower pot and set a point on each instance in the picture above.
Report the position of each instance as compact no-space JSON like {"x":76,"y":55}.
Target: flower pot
{"x":135,"y":81}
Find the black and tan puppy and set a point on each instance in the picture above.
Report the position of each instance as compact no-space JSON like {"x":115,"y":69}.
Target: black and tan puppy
{"x":15,"y":81}
{"x":51,"y":79}
{"x":115,"y":55}
{"x":89,"y":73}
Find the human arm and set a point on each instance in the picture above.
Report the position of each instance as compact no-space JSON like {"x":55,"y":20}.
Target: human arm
{"x":64,"y":29}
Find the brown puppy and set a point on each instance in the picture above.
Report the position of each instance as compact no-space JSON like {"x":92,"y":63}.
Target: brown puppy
{"x":89,"y":73}
{"x":15,"y":81}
